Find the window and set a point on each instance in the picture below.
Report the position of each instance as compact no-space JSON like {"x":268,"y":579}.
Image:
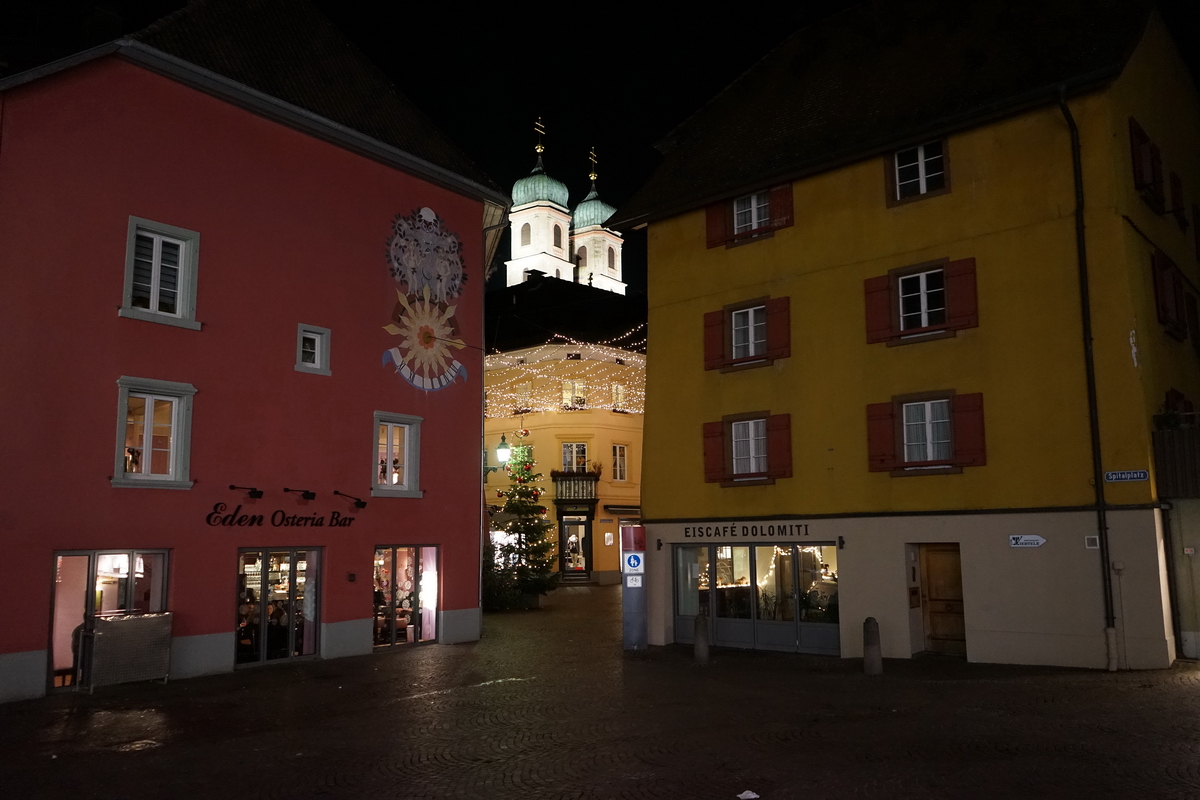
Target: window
{"x":1147,"y":168}
{"x":925,"y":301}
{"x":753,"y":333}
{"x":751,"y":212}
{"x":612,"y":259}
{"x":153,"y":434}
{"x":574,"y":394}
{"x":557,"y":236}
{"x":1169,"y":295}
{"x":917,"y":172}
{"x":160,"y":274}
{"x":748,"y":449}
{"x":526,"y":235}
{"x":618,"y":465}
{"x":397,"y":455}
{"x":618,"y":397}
{"x":749,"y":217}
{"x":934,"y":432}
{"x":312,"y":349}
{"x":581,"y":257}
{"x":574,"y":457}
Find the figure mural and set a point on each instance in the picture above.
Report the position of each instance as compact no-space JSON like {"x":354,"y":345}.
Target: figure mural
{"x":426,"y":261}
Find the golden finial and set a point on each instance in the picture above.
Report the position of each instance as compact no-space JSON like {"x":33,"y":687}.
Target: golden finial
{"x":592,"y":158}
{"x":540,"y":130}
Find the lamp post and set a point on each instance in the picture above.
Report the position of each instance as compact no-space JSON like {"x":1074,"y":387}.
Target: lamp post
{"x":503,"y":451}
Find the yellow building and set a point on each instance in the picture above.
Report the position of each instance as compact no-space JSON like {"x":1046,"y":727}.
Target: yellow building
{"x":921,"y":280}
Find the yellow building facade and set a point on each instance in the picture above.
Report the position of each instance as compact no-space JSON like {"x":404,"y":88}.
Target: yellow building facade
{"x":582,"y":407}
{"x":879,"y":402}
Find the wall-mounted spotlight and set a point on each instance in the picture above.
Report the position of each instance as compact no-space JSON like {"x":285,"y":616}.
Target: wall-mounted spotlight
{"x":254,"y":493}
{"x":841,"y":543}
{"x":357,"y":502}
{"x":304,"y":493}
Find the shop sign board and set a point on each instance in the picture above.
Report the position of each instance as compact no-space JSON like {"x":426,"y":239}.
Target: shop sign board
{"x":1026,"y":540}
{"x":1127,"y":475}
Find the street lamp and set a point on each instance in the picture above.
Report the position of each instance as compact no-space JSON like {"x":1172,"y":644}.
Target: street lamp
{"x":503,"y":451}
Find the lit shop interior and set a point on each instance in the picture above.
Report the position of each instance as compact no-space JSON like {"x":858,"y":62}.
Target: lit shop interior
{"x":774,"y":597}
{"x":277,"y":604}
{"x":406,"y":590}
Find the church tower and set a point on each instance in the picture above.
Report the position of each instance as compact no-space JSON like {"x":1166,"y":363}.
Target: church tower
{"x":541,"y":225}
{"x":596,"y":249}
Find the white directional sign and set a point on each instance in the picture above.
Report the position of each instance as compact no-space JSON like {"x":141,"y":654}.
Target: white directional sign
{"x":1026,"y":540}
{"x":635,"y":563}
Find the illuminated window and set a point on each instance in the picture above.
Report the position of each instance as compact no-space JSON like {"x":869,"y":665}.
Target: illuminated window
{"x":397,"y":455}
{"x":618,"y":466}
{"x":153,"y":434}
{"x":574,"y":456}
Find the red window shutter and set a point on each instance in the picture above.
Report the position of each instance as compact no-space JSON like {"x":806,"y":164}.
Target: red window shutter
{"x":714,"y":452}
{"x":714,"y":340}
{"x":779,"y":445}
{"x":719,"y":224}
{"x":779,"y":327}
{"x":1162,"y":287}
{"x":1177,"y":201}
{"x":1193,"y":320}
{"x":967,"y":418}
{"x":879,"y":309}
{"x":1157,"y":193}
{"x":962,"y":309}
{"x":1139,"y":145}
{"x":881,"y":437}
{"x":781,"y":206}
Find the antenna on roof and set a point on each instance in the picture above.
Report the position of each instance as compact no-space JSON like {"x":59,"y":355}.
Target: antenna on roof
{"x":540,"y":130}
{"x":592,"y":158}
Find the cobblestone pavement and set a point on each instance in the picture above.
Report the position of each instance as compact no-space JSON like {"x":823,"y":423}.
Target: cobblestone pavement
{"x":548,"y":706}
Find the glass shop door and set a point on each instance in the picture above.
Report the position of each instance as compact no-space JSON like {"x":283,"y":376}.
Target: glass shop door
{"x":406,"y":595}
{"x":733,"y":597}
{"x":277,"y":612}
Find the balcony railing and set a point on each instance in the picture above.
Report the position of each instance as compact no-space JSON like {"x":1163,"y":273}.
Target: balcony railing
{"x":574,"y":485}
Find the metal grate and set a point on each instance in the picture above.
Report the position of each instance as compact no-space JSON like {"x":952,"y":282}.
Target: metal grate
{"x":132,"y":648}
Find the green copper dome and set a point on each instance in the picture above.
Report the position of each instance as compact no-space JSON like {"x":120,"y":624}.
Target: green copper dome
{"x":592,"y":211}
{"x":536,"y":186}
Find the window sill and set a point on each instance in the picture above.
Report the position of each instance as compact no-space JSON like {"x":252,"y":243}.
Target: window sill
{"x":932,"y":469}
{"x":754,"y":362}
{"x":750,"y":236}
{"x":383,"y":491}
{"x":149,"y":483}
{"x":163,"y":319}
{"x":903,"y":201}
{"x":749,"y":480}
{"x":313,"y":370}
{"x":921,"y":335}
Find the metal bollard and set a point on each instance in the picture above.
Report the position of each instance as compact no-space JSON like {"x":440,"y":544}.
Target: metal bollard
{"x":872,"y":657}
{"x":701,"y":640}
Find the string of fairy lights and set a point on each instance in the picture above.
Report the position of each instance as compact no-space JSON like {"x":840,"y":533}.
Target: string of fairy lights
{"x":566,"y":374}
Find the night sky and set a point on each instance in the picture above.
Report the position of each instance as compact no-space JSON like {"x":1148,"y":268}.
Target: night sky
{"x":597,"y":78}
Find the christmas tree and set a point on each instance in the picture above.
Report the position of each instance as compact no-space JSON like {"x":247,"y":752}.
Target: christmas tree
{"x":520,"y":566}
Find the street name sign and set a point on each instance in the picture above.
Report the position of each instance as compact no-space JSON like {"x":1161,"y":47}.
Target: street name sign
{"x":1127,"y":475}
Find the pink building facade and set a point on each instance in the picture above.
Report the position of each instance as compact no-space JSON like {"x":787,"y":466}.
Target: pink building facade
{"x":243,"y":378}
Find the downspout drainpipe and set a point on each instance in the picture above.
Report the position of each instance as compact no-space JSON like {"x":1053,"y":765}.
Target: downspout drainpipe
{"x":1110,"y":618}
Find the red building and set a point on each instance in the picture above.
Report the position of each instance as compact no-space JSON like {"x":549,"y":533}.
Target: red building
{"x":242,"y":314}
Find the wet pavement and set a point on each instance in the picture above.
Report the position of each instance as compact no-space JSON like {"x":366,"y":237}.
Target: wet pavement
{"x":548,"y":706}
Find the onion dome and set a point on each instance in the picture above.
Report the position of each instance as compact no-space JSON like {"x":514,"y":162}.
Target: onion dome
{"x":538,"y":186}
{"x":592,"y":210}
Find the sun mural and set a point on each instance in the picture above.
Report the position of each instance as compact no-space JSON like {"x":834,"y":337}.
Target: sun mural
{"x":426,"y":260}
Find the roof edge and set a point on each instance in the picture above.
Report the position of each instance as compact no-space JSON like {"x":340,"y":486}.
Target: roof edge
{"x":267,"y":106}
{"x":1011,"y":106}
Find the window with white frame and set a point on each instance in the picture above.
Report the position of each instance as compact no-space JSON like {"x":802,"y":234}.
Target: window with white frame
{"x":618,"y":465}
{"x":618,"y":396}
{"x":397,"y":455}
{"x":153,"y":433}
{"x":749,"y":446}
{"x":574,"y":457}
{"x":751,"y":212}
{"x":160,"y":274}
{"x":920,"y":170}
{"x":922,"y":299}
{"x":749,"y":327}
{"x":927,"y":431}
{"x":574,"y":394}
{"x":312,"y":349}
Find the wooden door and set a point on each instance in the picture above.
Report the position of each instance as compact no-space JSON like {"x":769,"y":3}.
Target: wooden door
{"x":942,"y":599}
